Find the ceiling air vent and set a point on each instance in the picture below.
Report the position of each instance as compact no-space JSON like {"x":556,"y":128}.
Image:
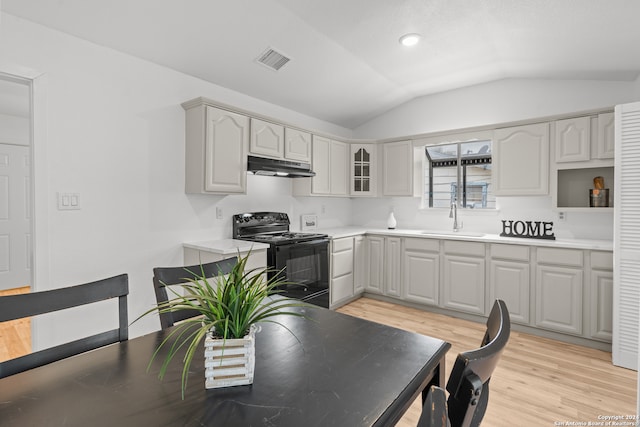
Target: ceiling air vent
{"x":273,"y":59}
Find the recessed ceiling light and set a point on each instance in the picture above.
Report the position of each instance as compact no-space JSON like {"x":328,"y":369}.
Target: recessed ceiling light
{"x":411,"y":39}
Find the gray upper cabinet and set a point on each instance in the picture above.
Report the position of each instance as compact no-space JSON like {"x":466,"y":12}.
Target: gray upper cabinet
{"x":297,"y":145}
{"x":215,"y":150}
{"x":521,"y":160}
{"x":573,"y":140}
{"x":363,"y":169}
{"x":330,"y":160}
{"x":605,"y":143}
{"x":583,"y":148}
{"x":267,"y":139}
{"x":397,"y":168}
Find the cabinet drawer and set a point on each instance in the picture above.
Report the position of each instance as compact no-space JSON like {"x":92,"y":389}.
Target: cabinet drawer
{"x":560,"y":256}
{"x":424,"y":245}
{"x":464,"y":248}
{"x":515,"y":252}
{"x":602,"y":260}
{"x":341,"y":288}
{"x":344,"y":244}
{"x":341,"y":263}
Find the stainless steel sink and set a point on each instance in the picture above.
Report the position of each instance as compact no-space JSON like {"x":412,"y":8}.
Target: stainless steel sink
{"x":452,"y":233}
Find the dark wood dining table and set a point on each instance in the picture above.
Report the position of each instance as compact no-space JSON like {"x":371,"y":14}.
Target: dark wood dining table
{"x":328,"y":369}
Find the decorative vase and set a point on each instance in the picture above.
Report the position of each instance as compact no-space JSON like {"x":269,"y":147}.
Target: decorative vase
{"x":391,"y":222}
{"x":229,"y":362}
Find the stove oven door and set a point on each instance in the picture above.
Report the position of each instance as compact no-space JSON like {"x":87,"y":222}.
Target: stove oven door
{"x":305,"y":266}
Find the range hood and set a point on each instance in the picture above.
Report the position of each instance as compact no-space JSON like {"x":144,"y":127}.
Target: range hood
{"x":276,"y":167}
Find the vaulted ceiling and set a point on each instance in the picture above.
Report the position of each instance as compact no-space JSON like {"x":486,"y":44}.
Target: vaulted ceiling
{"x":346,"y":65}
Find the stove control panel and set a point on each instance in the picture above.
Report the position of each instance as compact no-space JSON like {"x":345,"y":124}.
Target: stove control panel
{"x":262,"y":218}
{"x":252,"y":223}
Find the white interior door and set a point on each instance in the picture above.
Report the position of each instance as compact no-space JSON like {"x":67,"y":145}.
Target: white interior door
{"x":15,"y":216}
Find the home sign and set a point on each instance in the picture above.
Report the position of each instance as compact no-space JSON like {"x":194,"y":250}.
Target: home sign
{"x":528,"y":229}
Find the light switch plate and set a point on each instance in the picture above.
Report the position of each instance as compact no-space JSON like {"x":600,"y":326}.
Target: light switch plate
{"x":68,"y":201}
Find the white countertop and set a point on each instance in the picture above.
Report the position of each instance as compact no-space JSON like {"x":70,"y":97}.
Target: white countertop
{"x":226,"y":246}
{"x":336,"y":233}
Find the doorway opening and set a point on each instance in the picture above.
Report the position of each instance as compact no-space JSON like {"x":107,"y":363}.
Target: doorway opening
{"x":16,"y":206}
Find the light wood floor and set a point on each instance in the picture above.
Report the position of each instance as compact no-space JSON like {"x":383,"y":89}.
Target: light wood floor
{"x":538,"y":381}
{"x":15,"y":336}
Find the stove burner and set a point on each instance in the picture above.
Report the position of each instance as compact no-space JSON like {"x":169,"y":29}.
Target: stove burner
{"x":284,"y":237}
{"x":269,"y":227}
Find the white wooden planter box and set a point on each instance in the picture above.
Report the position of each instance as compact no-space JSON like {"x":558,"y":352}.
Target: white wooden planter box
{"x":229,"y":362}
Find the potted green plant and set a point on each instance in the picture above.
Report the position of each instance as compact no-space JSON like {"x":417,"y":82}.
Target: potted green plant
{"x":230,"y":307}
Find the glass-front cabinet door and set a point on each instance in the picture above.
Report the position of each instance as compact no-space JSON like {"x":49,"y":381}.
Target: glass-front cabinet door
{"x":363,"y":169}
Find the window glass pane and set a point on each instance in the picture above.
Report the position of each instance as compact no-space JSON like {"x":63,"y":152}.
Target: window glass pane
{"x":358,"y":155}
{"x":439,"y":153}
{"x":444,"y":186}
{"x":476,"y":159}
{"x":466,"y":179}
{"x":365,"y":155}
{"x":475,"y":149}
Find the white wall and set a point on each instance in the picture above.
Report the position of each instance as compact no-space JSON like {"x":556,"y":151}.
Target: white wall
{"x":114,"y":133}
{"x":497,"y":102}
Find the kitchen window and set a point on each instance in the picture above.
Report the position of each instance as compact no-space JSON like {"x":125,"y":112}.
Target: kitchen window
{"x":459,"y":172}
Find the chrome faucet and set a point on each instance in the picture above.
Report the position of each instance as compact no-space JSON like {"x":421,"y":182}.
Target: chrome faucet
{"x":453,"y":213}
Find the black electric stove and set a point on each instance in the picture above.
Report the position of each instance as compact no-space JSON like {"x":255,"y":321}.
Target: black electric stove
{"x":301,"y":259}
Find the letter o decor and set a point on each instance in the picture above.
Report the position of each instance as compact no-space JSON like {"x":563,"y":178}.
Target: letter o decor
{"x":528,"y":229}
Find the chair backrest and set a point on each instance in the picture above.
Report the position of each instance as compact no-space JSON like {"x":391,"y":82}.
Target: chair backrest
{"x":168,"y":276}
{"x":434,"y":409}
{"x":14,"y":307}
{"x":468,"y":384}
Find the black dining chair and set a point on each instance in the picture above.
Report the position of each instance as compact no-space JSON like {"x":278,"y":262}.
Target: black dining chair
{"x":434,"y":409}
{"x":468,"y":384}
{"x":20,"y":306}
{"x":169,"y":276}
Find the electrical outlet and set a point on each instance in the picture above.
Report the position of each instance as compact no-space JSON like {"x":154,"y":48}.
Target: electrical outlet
{"x":562,"y":216}
{"x":218,"y":212}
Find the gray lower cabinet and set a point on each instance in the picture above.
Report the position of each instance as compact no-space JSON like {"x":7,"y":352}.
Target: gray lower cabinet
{"x":421,"y":271}
{"x":375,"y":260}
{"x":563,"y":291}
{"x":463,"y":276}
{"x":341,"y":270}
{"x":601,"y":325}
{"x":360,"y":264}
{"x":509,"y":279}
{"x":383,"y":257}
{"x":392,"y":283}
{"x":559,"y":290}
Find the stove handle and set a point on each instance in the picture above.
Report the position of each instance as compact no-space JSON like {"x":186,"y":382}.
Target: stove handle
{"x":307,"y":243}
